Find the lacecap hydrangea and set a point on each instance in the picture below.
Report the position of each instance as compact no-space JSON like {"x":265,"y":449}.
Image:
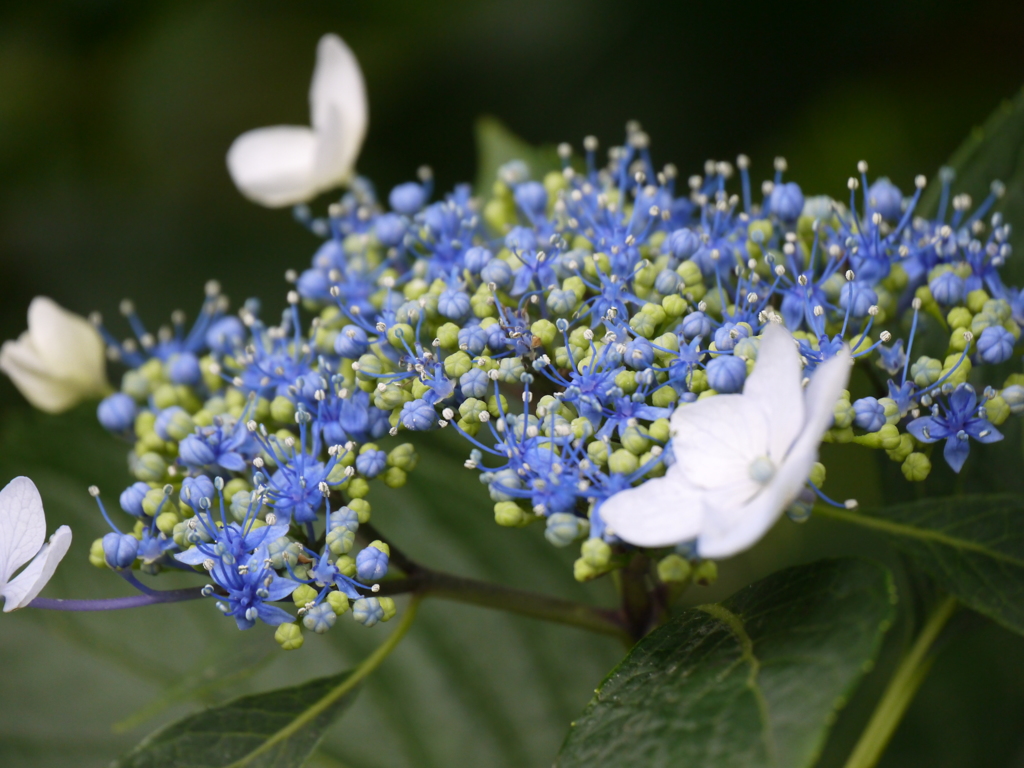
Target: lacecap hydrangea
{"x":555,"y":325}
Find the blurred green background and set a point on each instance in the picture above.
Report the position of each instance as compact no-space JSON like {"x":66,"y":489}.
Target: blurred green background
{"x":114,"y":121}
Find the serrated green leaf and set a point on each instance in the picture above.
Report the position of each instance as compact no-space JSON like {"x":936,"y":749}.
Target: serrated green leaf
{"x":754,"y":681}
{"x":972,"y":545}
{"x":992,"y":151}
{"x":497,"y":145}
{"x":232,"y":734}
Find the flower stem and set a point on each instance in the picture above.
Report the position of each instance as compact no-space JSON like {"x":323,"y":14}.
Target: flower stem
{"x":430,"y":583}
{"x":368,"y":665}
{"x":908,"y":677}
{"x":154,"y":597}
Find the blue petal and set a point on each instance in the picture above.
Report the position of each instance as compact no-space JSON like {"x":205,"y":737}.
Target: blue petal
{"x":935,"y":429}
{"x":273,"y":615}
{"x":955,"y":452}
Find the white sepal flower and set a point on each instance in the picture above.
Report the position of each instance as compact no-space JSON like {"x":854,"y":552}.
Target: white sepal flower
{"x":58,"y":361}
{"x":740,"y":460}
{"x":22,"y":530}
{"x":287,"y":164}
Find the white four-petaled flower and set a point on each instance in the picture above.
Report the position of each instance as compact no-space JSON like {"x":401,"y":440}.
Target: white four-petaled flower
{"x":22,"y":534}
{"x":58,"y":361}
{"x":287,"y":164}
{"x":740,"y":460}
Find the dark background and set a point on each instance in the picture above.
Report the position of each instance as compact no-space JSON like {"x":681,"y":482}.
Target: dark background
{"x":115,"y":118}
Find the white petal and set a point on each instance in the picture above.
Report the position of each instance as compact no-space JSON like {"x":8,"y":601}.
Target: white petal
{"x":22,"y":525}
{"x":275,"y":166}
{"x":23,"y":589}
{"x":71,"y":346}
{"x":338,"y":110}
{"x":728,"y":529}
{"x":774,"y":385}
{"x":716,"y":439}
{"x":657,"y":513}
{"x":20,"y":361}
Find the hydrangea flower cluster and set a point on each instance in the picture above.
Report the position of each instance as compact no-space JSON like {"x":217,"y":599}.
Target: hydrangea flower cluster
{"x":555,"y":326}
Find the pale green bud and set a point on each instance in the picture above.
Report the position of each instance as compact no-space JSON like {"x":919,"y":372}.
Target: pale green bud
{"x":660,"y":430}
{"x":674,"y":305}
{"x":545,"y":331}
{"x":634,"y":441}
{"x":303,"y":594}
{"x":916,"y":467}
{"x":959,"y":317}
{"x":958,"y":370}
{"x":471,"y":409}
{"x":626,"y":381}
{"x":584,"y":571}
{"x":358,"y":488}
{"x":891,"y":409}
{"x":997,"y":410}
{"x":400,"y":332}
{"x":926,"y":371}
{"x":976,"y":300}
{"x":818,"y":474}
{"x":623,"y":462}
{"x":904,"y":449}
{"x":96,"y":555}
{"x":338,"y":602}
{"x":289,"y":636}
{"x":394,"y":477}
{"x":597,"y":452}
{"x":448,"y":336}
{"x":843,"y":414}
{"x":404,"y":457}
{"x":509,"y":514}
{"x":596,"y":553}
{"x":706,"y":573}
{"x":663,"y":397}
{"x":150,"y":468}
{"x":457,"y":364}
{"x":674,"y":569}
{"x":387,"y":605}
{"x":282,"y":410}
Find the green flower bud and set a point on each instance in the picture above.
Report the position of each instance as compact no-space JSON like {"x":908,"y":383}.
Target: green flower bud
{"x":960,"y":339}
{"x":387,"y":604}
{"x":394,"y":396}
{"x":664,"y":396}
{"x":150,"y":468}
{"x":691,"y":273}
{"x":674,"y":569}
{"x":916,"y":467}
{"x":545,"y":331}
{"x":576,"y":285}
{"x":340,"y":541}
{"x":471,"y":409}
{"x":596,"y":553}
{"x":634,"y":441}
{"x":288,"y":636}
{"x":457,"y":364}
{"x":597,"y":452}
{"x":584,"y":571}
{"x":626,"y":381}
{"x":492,"y":406}
{"x":904,"y":449}
{"x":706,"y":573}
{"x":347,"y":565}
{"x":958,"y":371}
{"x":404,"y":457}
{"x":135,"y":385}
{"x":153,"y":371}
{"x":674,"y":305}
{"x":303,"y":594}
{"x":166,"y":521}
{"x":338,"y":602}
{"x":976,"y":300}
{"x":510,"y":369}
{"x":959,"y":317}
{"x":581,"y":428}
{"x":644,"y":324}
{"x":394,"y":477}
{"x":358,"y":488}
{"x":997,"y":410}
{"x":891,"y":410}
{"x":96,"y":554}
{"x":448,"y":336}
{"x":282,"y":410}
{"x":843,"y":414}
{"x":818,"y":474}
{"x":660,"y":430}
{"x":362,"y":509}
{"x":926,"y":371}
{"x":888,"y":437}
{"x":153,"y":500}
{"x":623,"y":462}
{"x":164,"y":396}
{"x":509,"y":514}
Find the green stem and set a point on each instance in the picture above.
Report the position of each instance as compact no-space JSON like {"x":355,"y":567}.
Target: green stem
{"x":426,"y":582}
{"x":368,"y":665}
{"x":908,"y":677}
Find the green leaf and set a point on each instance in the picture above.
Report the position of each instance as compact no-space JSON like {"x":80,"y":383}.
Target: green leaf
{"x":236,"y":733}
{"x":467,"y":686}
{"x":973,"y":546}
{"x":497,"y":145}
{"x":993,"y":151}
{"x":754,"y":681}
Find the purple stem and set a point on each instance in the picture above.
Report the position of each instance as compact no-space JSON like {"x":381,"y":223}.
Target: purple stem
{"x":117,"y":603}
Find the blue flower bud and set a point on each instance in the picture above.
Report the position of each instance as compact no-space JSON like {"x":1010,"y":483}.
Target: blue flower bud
{"x":117,"y":413}
{"x":497,"y":339}
{"x":345,"y":518}
{"x":498,"y":272}
{"x":453,"y":304}
{"x":184,"y":369}
{"x":1014,"y":397}
{"x":858,"y":298}
{"x":372,"y":564}
{"x":730,"y":333}
{"x":131,"y":498}
{"x":667,"y":282}
{"x":351,"y":342}
{"x":995,"y":345}
{"x":474,"y":383}
{"x":314,"y":284}
{"x":407,"y":198}
{"x":562,"y":529}
{"x":476,"y":257}
{"x":869,"y":414}
{"x":390,"y":229}
{"x":683,"y":243}
{"x":786,"y":201}
{"x":195,"y":488}
{"x":194,"y":452}
{"x":226,"y":335}
{"x":639,"y":354}
{"x":532,"y":198}
{"x":726,"y":374}
{"x":371,"y":463}
{"x":885,"y":198}
{"x":367,"y":611}
{"x":473,"y":338}
{"x":319,"y":618}
{"x":696,"y":324}
{"x":417,"y":415}
{"x":520,"y":239}
{"x":561,"y":302}
{"x":120,"y":549}
{"x":173,"y":423}
{"x":947,"y":288}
